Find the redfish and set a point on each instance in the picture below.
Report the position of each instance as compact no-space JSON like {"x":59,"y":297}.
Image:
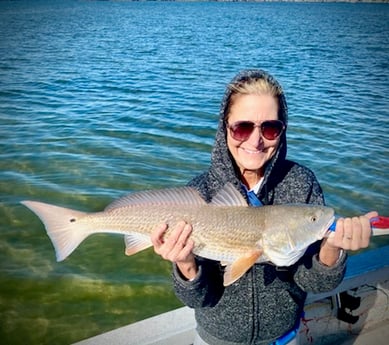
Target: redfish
{"x":226,"y":230}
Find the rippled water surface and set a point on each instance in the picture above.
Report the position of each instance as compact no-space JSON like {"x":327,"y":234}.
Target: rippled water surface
{"x":98,"y":99}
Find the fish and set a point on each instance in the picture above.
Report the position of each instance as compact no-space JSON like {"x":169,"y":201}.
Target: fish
{"x":227,"y":229}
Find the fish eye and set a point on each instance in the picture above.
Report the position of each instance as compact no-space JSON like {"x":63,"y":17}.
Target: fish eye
{"x":313,"y":219}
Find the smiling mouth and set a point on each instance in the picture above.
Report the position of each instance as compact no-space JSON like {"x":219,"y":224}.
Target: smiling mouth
{"x":252,"y":152}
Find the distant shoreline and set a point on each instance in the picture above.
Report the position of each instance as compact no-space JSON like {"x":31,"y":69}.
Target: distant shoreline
{"x":307,"y":1}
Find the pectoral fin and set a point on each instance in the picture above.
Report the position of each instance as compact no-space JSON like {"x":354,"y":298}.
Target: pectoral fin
{"x":136,"y":243}
{"x":239,"y":267}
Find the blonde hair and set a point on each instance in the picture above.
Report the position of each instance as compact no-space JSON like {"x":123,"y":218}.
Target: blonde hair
{"x":254,"y":82}
{"x":252,"y":86}
{"x":255,"y":86}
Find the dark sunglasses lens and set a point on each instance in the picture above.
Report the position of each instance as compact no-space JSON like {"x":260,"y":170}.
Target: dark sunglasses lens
{"x":242,"y":130}
{"x":271,"y":129}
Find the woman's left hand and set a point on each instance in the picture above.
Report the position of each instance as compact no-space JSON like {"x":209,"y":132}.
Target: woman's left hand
{"x":350,"y":234}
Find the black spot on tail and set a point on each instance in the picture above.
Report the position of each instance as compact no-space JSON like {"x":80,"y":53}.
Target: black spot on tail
{"x":72,"y":220}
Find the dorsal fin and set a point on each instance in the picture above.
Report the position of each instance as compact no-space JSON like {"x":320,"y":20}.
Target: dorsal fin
{"x":172,"y":196}
{"x":229,"y":196}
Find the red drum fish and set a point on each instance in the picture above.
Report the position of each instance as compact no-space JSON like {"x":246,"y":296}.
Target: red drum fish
{"x":226,"y":230}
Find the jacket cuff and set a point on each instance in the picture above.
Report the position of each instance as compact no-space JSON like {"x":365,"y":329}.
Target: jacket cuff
{"x":182,"y":280}
{"x":339,"y":263}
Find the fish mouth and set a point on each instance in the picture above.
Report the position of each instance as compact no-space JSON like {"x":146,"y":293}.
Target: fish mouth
{"x":327,"y":227}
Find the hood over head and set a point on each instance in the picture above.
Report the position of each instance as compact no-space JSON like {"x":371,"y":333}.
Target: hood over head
{"x":223,"y":168}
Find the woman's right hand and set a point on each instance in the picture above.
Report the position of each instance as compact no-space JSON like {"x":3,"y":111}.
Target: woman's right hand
{"x":177,"y":247}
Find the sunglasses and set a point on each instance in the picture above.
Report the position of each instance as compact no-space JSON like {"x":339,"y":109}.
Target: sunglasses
{"x":270,"y":130}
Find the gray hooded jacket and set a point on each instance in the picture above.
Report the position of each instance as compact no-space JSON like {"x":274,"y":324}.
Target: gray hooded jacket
{"x":267,"y":301}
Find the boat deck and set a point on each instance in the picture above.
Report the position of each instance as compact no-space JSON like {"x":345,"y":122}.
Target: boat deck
{"x":367,"y":280}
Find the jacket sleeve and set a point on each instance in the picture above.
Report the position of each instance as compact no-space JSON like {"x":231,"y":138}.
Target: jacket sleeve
{"x":313,"y":276}
{"x":205,"y":289}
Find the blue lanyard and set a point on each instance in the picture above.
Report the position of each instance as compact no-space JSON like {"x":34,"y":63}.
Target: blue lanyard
{"x":253,"y":199}
{"x":286,"y":338}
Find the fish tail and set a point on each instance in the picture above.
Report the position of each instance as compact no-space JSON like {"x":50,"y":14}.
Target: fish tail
{"x":62,"y":226}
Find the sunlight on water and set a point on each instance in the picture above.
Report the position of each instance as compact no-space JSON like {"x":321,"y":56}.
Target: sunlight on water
{"x":99,"y":99}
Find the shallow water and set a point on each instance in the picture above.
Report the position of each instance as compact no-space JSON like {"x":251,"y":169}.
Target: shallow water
{"x":98,"y":99}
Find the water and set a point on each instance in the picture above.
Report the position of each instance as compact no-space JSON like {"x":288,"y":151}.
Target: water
{"x":98,"y":99}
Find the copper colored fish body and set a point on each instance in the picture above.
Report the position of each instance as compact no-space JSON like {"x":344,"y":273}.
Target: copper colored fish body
{"x":226,"y":230}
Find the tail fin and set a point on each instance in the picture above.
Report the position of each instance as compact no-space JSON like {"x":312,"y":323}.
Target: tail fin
{"x":62,"y":226}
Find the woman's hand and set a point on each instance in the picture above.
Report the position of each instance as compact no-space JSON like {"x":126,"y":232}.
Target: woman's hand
{"x":177,"y":247}
{"x":350,"y":234}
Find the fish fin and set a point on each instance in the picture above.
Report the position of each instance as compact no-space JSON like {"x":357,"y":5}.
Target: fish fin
{"x":240,"y":266}
{"x":229,"y":196}
{"x":62,"y":226}
{"x":136,"y":243}
{"x":171,"y":196}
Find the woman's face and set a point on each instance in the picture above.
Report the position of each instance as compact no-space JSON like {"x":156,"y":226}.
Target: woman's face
{"x":251,"y":154}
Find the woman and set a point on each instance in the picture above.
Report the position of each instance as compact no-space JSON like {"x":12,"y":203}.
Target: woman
{"x":265,"y":305}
